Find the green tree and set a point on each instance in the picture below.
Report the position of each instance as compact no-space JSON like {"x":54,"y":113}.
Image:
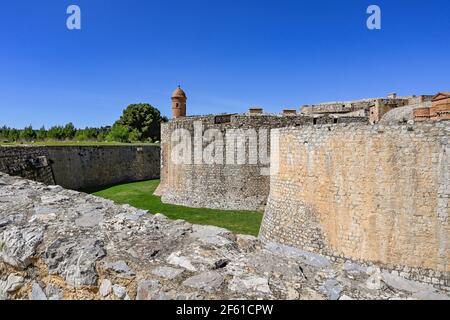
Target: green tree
{"x":134,"y":135}
{"x":28,"y":134}
{"x":69,"y":131}
{"x":87,"y":134}
{"x":118,"y":133}
{"x":56,"y":133}
{"x":144,"y":120}
{"x":41,"y":134}
{"x":4,"y":134}
{"x":13,"y":135}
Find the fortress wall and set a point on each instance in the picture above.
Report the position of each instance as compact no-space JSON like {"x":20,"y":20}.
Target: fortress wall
{"x":78,"y":167}
{"x":218,"y":185}
{"x":368,"y":193}
{"x":351,"y":107}
{"x":28,"y":162}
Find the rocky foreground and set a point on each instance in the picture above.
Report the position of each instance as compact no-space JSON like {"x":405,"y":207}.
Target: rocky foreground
{"x":61,"y":244}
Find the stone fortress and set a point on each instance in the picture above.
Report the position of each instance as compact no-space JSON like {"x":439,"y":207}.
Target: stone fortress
{"x":355,"y":198}
{"x":366,"y":180}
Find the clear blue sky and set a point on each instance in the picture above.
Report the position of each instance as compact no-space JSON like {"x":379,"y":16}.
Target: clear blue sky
{"x":227,"y":55}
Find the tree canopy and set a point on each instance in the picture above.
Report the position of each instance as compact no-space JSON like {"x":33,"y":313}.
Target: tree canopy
{"x":138,"y":123}
{"x":143,"y":120}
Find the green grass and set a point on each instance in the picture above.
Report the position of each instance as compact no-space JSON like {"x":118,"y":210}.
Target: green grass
{"x":140,"y":195}
{"x":75,"y":143}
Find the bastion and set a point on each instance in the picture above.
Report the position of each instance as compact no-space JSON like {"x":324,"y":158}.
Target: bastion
{"x":367,"y":193}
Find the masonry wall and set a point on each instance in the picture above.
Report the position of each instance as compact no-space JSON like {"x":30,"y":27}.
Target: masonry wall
{"x":367,"y":193}
{"x":28,"y":162}
{"x":218,"y":185}
{"x":242,"y":186}
{"x":78,"y":167}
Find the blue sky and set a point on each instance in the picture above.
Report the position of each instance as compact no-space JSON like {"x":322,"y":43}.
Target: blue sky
{"x":227,"y":55}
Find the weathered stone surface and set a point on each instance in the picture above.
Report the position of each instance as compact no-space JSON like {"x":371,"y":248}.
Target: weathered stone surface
{"x":53,"y":292}
{"x":400,"y":283}
{"x":105,"y":287}
{"x":11,"y":284}
{"x":374,"y":282}
{"x":181,"y":261}
{"x":250,"y":283}
{"x":332,"y":289}
{"x":309,"y":258}
{"x":132,"y":254}
{"x":18,"y":245}
{"x":167,"y":272}
{"x":430,"y":295}
{"x":37,"y":293}
{"x":75,"y":260}
{"x":119,"y":291}
{"x":14,"y":282}
{"x":210,"y":235}
{"x":208,"y":281}
{"x":120,"y":267}
{"x":352,"y":267}
{"x":148,"y":289}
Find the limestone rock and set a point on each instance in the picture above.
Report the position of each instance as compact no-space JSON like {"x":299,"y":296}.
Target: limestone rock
{"x":53,"y":292}
{"x":332,"y":289}
{"x":312,"y":259}
{"x":250,"y":283}
{"x":119,"y":291}
{"x":14,"y":282}
{"x":403,"y":284}
{"x":120,"y":267}
{"x":211,"y":235}
{"x":178,"y":260}
{"x":167,"y":272}
{"x":430,"y":295}
{"x":353,"y":267}
{"x":18,"y":245}
{"x":374,"y":282}
{"x":105,"y":287}
{"x":207,"y":281}
{"x":89,"y":219}
{"x":37,"y":293}
{"x":147,"y":289}
{"x":75,"y":260}
{"x":247,"y":242}
{"x":143,"y":257}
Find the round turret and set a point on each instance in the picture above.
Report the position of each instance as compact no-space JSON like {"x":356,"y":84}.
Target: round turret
{"x":178,"y":103}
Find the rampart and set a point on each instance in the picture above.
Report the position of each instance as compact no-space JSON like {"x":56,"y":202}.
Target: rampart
{"x":242,"y":184}
{"x":367,"y":193}
{"x":78,"y":167}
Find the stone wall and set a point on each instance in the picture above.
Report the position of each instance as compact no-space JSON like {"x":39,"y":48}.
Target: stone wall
{"x":61,"y":244}
{"x":238,"y":186}
{"x":78,"y":167}
{"x":378,"y":194}
{"x":28,"y":162}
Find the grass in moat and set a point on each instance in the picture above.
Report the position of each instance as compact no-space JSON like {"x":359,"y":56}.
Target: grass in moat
{"x":140,"y":195}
